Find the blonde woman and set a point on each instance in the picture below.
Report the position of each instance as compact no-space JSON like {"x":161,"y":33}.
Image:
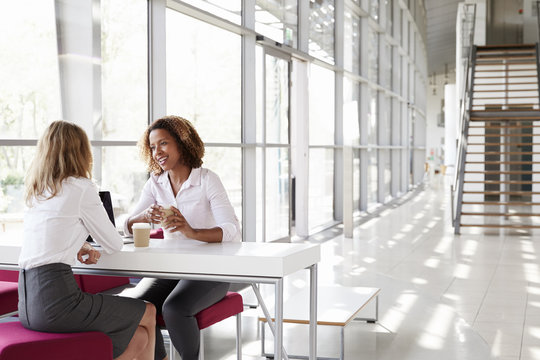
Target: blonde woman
{"x":63,"y":209}
{"x":173,"y":151}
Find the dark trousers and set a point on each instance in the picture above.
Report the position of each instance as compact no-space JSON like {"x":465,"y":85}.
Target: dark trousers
{"x":179,"y":301}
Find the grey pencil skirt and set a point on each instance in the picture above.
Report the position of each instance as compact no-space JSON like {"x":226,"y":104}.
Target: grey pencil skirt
{"x":50,"y":300}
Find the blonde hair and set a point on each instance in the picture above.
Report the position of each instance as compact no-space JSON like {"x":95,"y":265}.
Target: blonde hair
{"x":189,"y":143}
{"x":62,"y":151}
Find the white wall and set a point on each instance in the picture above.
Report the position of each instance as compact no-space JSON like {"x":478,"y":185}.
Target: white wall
{"x":435,"y":139}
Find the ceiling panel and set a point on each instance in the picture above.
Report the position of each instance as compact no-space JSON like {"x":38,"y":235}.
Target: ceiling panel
{"x":441,"y":34}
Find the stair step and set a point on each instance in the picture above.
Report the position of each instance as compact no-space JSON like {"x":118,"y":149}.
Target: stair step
{"x":490,"y":126}
{"x":503,"y":153}
{"x":510,"y":114}
{"x":493,"y":182}
{"x":505,"y":90}
{"x":507,"y":83}
{"x":496,"y":162}
{"x":510,"y":226}
{"x":498,"y":118}
{"x":515,"y":56}
{"x":505,"y":47}
{"x":503,"y":135}
{"x":477,"y":64}
{"x":493,"y":193}
{"x":494,"y":172}
{"x":502,"y":70}
{"x":501,"y":203}
{"x":505,"y":77}
{"x":499,"y":144}
{"x":499,"y":214}
{"x":476,"y":99}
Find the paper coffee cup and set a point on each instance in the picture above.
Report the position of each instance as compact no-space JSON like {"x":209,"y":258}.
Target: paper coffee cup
{"x":141,"y":234}
{"x":166,"y":211}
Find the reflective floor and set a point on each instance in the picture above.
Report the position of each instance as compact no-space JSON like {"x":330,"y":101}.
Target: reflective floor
{"x":444,"y":296}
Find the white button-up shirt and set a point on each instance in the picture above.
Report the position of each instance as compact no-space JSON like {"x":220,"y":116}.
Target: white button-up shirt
{"x":56,"y":229}
{"x":202,"y":200}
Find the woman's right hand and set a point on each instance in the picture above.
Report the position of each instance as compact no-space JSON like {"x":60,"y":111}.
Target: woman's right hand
{"x":153,"y":214}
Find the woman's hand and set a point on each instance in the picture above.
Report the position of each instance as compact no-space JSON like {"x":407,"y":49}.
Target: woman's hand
{"x":177,"y":222}
{"x":153,"y":214}
{"x":88,"y":255}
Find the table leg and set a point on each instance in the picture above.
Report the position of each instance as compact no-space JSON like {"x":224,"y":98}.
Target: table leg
{"x":271,"y":323}
{"x":313,"y":312}
{"x":278,"y":336}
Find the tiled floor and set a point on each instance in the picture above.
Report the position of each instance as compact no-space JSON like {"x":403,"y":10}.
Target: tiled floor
{"x":471,"y":296}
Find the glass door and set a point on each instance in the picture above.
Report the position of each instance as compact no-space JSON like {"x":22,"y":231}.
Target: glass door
{"x":273,"y":141}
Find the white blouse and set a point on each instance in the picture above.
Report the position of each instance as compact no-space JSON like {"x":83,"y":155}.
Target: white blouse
{"x":202,"y":200}
{"x":56,"y":229}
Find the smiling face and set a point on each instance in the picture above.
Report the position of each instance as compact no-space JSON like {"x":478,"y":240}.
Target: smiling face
{"x":164,"y":149}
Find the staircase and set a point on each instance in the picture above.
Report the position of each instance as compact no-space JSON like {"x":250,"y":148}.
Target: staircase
{"x":501,"y":163}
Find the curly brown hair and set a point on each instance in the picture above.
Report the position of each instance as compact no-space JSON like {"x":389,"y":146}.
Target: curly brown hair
{"x":189,"y":143}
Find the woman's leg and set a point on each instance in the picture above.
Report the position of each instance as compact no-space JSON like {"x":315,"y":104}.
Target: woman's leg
{"x":143,"y":341}
{"x":179,"y":310}
{"x":154,"y":291}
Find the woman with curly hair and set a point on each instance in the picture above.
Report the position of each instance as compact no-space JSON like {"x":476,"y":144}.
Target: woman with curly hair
{"x":201,"y":210}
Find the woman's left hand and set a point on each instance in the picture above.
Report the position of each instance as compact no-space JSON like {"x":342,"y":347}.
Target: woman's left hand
{"x":177,"y":222}
{"x":88,"y":255}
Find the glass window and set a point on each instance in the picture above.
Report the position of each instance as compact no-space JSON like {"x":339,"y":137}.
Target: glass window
{"x":277,"y":193}
{"x":30,"y":91}
{"x":351,"y":124}
{"x":372,"y":178}
{"x":321,"y":187}
{"x":230,"y":10}
{"x":277,"y":20}
{"x":374,"y":9}
{"x":277,"y":100}
{"x":226,"y":162}
{"x":259,"y":204}
{"x":14,"y":162}
{"x":389,"y":15}
{"x":385,"y":66}
{"x":204,"y":77}
{"x":352,"y":42}
{"x":373,"y":117}
{"x":124,"y":69}
{"x":321,"y":106}
{"x":356,"y":180}
{"x":384,"y":155}
{"x":321,"y":29}
{"x":373,"y":70}
{"x":123,"y":174}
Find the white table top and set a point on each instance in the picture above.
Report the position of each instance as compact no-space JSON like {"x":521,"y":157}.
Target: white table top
{"x":273,"y":260}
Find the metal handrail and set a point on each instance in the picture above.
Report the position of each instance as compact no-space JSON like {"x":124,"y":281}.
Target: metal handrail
{"x":465,"y":108}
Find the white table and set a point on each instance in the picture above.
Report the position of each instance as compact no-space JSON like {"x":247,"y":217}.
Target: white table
{"x":245,"y":262}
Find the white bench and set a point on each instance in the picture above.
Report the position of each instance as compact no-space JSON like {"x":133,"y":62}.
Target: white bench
{"x":336,"y":306}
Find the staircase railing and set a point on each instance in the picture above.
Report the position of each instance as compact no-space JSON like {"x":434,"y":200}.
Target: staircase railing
{"x":538,"y":44}
{"x":468,"y":56}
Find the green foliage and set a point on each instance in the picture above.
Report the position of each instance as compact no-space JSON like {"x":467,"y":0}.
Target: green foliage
{"x":12,"y":179}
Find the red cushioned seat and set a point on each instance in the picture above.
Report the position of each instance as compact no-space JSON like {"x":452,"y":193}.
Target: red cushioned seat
{"x":231,"y":304}
{"x":9,"y":275}
{"x":8,"y":297}
{"x":156,"y":233}
{"x":16,"y":343}
{"x":94,"y":284}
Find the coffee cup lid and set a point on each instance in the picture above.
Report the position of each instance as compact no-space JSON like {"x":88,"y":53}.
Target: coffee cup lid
{"x":141,"y":226}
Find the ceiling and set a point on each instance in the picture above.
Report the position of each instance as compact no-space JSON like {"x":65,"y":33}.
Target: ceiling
{"x":441,"y":35}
